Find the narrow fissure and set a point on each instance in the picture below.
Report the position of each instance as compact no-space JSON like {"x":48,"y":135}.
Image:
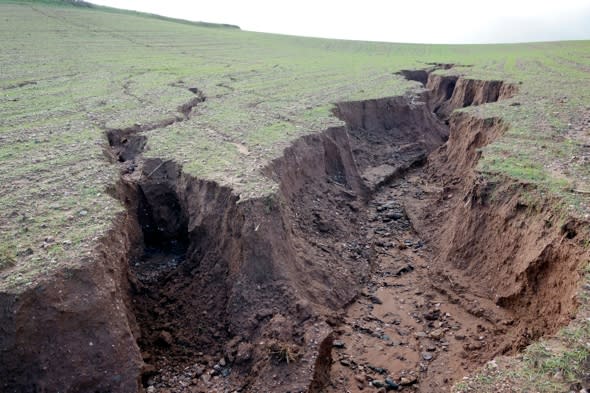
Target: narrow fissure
{"x":342,"y":281}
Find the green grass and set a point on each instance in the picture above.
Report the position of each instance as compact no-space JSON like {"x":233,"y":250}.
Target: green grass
{"x":83,"y":69}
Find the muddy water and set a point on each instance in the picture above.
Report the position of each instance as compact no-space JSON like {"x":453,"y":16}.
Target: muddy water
{"x":402,"y":332}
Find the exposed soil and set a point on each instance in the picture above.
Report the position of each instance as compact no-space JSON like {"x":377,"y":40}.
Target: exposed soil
{"x":383,"y":262}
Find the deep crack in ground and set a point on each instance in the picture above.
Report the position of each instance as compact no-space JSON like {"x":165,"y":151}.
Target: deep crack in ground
{"x":250,"y":296}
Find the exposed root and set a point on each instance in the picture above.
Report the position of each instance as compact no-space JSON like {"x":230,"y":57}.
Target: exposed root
{"x":283,"y":352}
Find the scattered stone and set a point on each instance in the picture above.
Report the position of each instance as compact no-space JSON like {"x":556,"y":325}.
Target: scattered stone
{"x":375,"y":300}
{"x":222,"y":362}
{"x":390,"y":384}
{"x":474,"y":346}
{"x":437,"y":334}
{"x":377,"y":383}
{"x":338,"y":344}
{"x":25,"y":253}
{"x":83,"y":213}
{"x":379,"y":370}
{"x":432,"y":315}
{"x":345,"y":362}
{"x":393,"y":216}
{"x":427,"y":356}
{"x":408,"y":380}
{"x":406,"y":269}
{"x":151,"y":389}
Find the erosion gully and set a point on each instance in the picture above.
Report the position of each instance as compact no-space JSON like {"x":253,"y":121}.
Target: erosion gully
{"x":339,"y":282}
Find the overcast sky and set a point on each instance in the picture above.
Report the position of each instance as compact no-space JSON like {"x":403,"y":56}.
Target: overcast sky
{"x":426,"y":21}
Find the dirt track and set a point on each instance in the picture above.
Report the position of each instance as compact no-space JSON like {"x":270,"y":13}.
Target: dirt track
{"x":382,"y":256}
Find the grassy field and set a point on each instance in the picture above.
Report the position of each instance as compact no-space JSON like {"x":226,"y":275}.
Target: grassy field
{"x":67,"y":73}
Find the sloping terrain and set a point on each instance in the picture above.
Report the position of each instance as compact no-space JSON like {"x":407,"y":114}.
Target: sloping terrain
{"x":197,"y":208}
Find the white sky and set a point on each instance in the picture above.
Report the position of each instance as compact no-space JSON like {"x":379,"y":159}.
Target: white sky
{"x":426,"y":21}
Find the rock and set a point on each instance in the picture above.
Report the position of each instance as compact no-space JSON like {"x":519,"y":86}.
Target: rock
{"x":459,"y":337}
{"x":406,"y":269}
{"x":393,"y":216}
{"x":222,"y":362}
{"x":473,"y":346}
{"x":408,"y":380}
{"x":377,"y":383}
{"x":427,"y":356}
{"x":83,"y":213}
{"x":338,"y":344}
{"x":379,"y":370}
{"x":390,"y":384}
{"x":150,"y":389}
{"x":345,"y":362}
{"x":437,"y":334}
{"x":25,"y":253}
{"x":206,"y":378}
{"x":375,"y":300}
{"x":432,"y":315}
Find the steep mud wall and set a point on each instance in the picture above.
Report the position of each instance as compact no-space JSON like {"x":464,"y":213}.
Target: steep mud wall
{"x":73,"y":332}
{"x":390,"y":135}
{"x":454,"y":92}
{"x":510,"y":244}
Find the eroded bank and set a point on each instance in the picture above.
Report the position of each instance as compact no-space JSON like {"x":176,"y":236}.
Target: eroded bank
{"x":199,"y":291}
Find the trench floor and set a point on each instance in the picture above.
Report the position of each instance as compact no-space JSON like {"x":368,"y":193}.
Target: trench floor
{"x":403,"y":332}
